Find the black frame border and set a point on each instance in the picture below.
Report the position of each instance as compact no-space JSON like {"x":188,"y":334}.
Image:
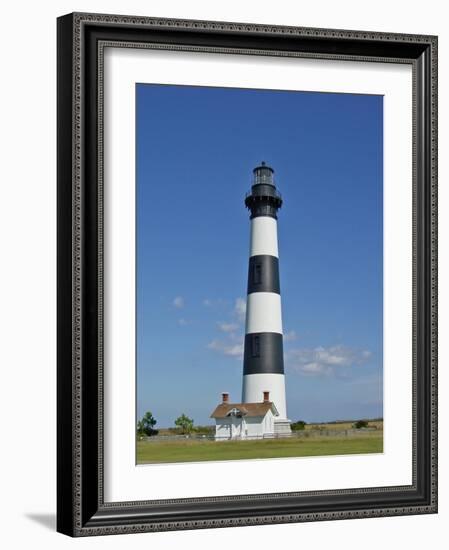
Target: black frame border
{"x":81,"y":510}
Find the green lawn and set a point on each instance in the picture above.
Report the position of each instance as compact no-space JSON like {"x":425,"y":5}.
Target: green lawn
{"x":154,"y":451}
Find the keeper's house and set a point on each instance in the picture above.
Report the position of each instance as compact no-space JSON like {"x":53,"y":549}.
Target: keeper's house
{"x":244,"y":420}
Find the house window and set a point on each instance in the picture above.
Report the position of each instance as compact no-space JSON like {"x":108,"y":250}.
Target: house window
{"x":257,"y":274}
{"x":256,"y":346}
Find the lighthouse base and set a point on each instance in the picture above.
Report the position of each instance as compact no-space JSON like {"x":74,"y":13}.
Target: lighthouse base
{"x":282,"y":427}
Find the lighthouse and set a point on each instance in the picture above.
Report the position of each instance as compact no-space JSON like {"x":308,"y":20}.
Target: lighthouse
{"x":263,"y":363}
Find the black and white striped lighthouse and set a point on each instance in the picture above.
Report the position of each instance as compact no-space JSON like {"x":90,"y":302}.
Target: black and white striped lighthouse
{"x":263,"y":364}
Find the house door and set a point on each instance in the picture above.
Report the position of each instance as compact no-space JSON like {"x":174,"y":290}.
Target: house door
{"x":235,"y":427}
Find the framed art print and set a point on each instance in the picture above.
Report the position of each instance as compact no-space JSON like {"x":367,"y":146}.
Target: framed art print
{"x":246,"y":274}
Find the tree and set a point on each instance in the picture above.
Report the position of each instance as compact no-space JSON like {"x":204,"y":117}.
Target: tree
{"x":360,"y":424}
{"x":146,"y":425}
{"x":298,"y":425}
{"x":184,"y":423}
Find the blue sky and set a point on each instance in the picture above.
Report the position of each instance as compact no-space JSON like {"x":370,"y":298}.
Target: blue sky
{"x":196,"y":148}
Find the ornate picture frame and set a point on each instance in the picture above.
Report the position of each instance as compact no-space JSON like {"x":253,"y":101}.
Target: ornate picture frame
{"x":81,"y":507}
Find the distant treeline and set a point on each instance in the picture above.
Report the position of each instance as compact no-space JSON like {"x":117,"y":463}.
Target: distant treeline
{"x":200,"y":430}
{"x":349,"y":421}
{"x":357,"y":424}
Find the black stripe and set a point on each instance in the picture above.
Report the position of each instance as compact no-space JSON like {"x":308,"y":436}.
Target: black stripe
{"x":264,"y":210}
{"x":263,"y":274}
{"x":263,"y":353}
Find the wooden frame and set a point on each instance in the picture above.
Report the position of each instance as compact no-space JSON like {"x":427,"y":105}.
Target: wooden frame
{"x":81,"y":507}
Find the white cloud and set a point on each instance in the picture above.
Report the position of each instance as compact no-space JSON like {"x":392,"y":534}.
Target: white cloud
{"x":183,"y":322}
{"x":178,"y":302}
{"x":240,"y":308}
{"x":230,"y":349}
{"x":315,"y":368}
{"x":214,"y":302}
{"x":232,"y":345}
{"x":290,"y":336}
{"x":326,"y":361}
{"x":228,"y":327}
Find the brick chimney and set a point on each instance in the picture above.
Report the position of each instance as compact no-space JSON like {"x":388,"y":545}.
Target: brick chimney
{"x":266,"y":396}
{"x":225,"y":397}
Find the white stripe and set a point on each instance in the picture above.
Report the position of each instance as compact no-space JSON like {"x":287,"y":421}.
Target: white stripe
{"x":264,"y":236}
{"x":263,"y":312}
{"x":255,"y":384}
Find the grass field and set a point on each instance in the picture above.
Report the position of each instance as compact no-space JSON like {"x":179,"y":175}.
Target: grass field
{"x":194,"y":450}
